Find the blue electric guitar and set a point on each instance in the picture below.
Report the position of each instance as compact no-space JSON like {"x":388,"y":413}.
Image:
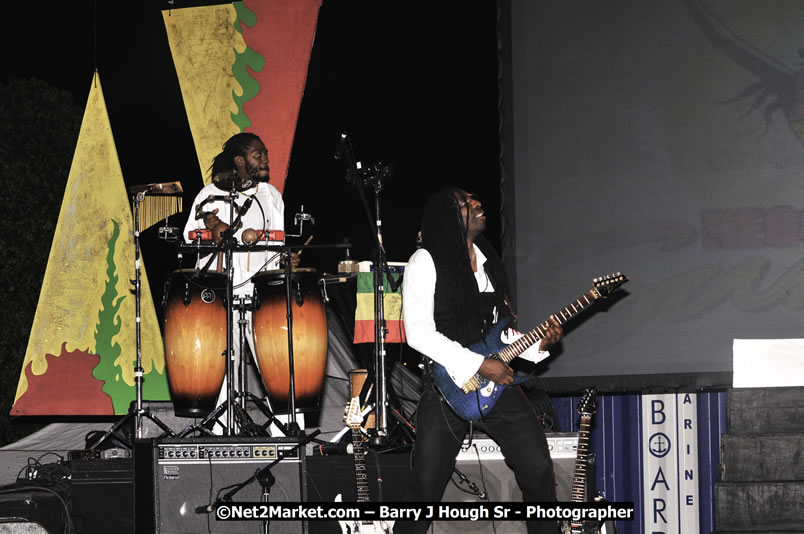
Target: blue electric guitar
{"x":479,"y":395}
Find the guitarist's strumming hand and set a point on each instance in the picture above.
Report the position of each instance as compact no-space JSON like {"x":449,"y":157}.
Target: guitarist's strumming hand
{"x":553,"y":335}
{"x":496,"y":371}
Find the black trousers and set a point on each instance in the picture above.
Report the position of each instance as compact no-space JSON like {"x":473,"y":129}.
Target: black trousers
{"x":512,"y":423}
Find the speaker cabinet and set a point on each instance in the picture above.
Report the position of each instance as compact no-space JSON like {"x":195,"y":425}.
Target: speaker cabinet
{"x":27,"y":511}
{"x":103,"y":495}
{"x":191,"y":473}
{"x":483,"y":464}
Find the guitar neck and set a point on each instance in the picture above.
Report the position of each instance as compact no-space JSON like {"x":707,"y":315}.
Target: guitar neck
{"x":361,"y":477}
{"x":581,"y":460}
{"x":534,"y":336}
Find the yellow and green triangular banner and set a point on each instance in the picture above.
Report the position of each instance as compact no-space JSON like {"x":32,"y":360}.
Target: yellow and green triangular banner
{"x":82,"y":347}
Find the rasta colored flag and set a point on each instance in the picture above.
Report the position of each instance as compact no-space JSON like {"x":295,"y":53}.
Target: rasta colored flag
{"x":392,"y":305}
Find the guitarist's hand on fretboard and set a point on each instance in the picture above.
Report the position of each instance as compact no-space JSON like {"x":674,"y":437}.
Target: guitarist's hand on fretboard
{"x":496,"y":371}
{"x":552,"y":334}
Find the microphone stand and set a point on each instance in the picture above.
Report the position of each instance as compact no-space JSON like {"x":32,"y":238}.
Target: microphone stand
{"x":262,"y":475}
{"x":374,"y":176}
{"x":227,"y":243}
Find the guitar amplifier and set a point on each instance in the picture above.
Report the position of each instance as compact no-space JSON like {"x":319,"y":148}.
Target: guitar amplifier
{"x":483,"y":464}
{"x":188,"y":474}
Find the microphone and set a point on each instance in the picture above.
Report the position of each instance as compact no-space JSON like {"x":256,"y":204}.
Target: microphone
{"x":340,"y":148}
{"x":206,"y":509}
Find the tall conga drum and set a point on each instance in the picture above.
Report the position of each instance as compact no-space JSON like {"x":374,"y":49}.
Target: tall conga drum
{"x":309,"y":337}
{"x":195,"y":340}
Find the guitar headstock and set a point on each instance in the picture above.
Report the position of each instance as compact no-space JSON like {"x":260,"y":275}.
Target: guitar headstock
{"x":351,"y":414}
{"x":606,"y":285}
{"x":587,"y":403}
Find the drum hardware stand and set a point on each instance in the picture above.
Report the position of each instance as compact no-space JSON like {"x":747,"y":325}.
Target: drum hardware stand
{"x":247,"y":425}
{"x":227,"y":243}
{"x":236,"y":414}
{"x":292,"y":428}
{"x":139,"y":194}
{"x":374,"y":176}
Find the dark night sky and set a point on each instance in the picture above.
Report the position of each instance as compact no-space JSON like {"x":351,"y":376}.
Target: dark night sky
{"x":414,"y":84}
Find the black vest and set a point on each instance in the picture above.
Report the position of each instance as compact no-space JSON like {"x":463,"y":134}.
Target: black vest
{"x":468,"y":321}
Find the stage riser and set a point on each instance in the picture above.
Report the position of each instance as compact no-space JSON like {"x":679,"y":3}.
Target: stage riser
{"x":765,"y":410}
{"x":757,"y":506}
{"x":762,"y":457}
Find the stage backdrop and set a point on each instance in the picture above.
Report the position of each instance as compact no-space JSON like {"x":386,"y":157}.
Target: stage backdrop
{"x":82,"y":348}
{"x":242,"y":67}
{"x":664,"y":140}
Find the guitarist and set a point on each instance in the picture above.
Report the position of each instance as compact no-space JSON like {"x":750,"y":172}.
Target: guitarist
{"x":455,"y":288}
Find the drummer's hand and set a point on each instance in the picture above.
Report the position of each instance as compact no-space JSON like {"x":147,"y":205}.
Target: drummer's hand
{"x":295,"y":259}
{"x":211,"y":219}
{"x":218,"y":230}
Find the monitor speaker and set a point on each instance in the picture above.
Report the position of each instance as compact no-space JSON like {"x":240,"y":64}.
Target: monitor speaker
{"x":483,"y":464}
{"x":189,"y":474}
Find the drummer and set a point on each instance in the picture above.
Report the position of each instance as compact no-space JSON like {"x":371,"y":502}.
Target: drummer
{"x":242,"y":166}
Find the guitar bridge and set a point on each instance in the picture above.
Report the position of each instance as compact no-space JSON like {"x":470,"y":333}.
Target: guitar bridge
{"x":471,"y":385}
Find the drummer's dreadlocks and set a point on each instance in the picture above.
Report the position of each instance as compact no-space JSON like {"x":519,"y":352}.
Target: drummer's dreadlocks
{"x":237,"y":145}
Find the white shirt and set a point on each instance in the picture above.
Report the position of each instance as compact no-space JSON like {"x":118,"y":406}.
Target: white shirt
{"x":267,"y":212}
{"x":418,"y":297}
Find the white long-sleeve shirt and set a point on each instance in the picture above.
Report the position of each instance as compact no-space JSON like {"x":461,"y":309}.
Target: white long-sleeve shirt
{"x":418,"y":294}
{"x":267,"y":212}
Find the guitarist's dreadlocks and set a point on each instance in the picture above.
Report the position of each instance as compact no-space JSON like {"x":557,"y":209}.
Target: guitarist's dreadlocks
{"x":444,"y":234}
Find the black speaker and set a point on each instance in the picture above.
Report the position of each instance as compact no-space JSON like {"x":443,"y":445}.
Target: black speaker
{"x":32,"y":511}
{"x":189,"y":474}
{"x":103,"y":494}
{"x":483,"y":464}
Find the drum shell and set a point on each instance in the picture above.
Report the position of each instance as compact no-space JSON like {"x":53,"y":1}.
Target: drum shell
{"x":195,"y":340}
{"x":309,"y":337}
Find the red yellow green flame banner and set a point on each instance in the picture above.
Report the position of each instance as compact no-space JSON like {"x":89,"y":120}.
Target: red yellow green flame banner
{"x":82,"y":348}
{"x":243,"y":67}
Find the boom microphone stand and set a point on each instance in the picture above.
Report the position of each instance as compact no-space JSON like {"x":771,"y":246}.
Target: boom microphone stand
{"x":374,"y":176}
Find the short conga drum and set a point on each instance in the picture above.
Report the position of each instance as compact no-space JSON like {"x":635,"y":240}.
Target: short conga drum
{"x":195,"y":340}
{"x":309,"y":337}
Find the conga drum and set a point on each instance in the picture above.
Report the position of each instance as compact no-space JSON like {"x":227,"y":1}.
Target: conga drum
{"x":309,"y":337}
{"x":195,"y":340}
